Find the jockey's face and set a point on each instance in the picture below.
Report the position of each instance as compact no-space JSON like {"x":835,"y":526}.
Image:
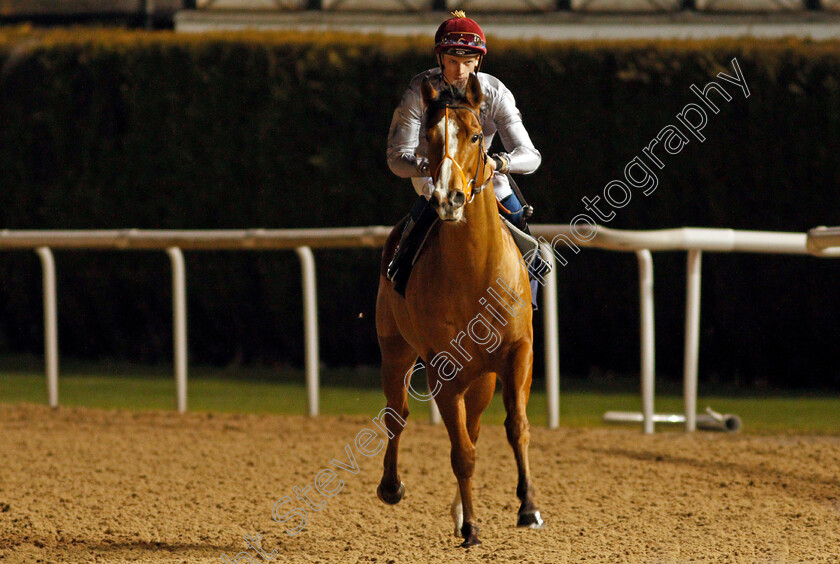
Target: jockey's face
{"x":456,"y":70}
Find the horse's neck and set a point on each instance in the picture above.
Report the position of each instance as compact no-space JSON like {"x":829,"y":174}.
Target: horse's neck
{"x":479,"y":234}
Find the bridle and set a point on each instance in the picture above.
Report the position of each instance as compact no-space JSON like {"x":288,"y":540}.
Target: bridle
{"x":482,"y":163}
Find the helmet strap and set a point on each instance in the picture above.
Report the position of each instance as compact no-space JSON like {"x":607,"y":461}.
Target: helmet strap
{"x":443,"y":75}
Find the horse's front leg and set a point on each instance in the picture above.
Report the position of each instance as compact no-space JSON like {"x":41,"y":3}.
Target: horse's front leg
{"x":516,"y":390}
{"x":397,"y":358}
{"x":453,"y":413}
{"x":476,"y":400}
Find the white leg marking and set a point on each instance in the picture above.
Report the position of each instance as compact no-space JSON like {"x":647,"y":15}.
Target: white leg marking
{"x":457,"y":512}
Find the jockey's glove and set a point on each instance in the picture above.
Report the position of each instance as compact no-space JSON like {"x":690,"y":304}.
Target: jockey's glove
{"x":502,"y":164}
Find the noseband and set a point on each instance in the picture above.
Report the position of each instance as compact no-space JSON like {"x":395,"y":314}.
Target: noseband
{"x":468,"y":186}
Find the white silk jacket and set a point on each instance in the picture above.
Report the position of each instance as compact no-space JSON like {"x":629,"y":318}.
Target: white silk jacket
{"x":407,"y":148}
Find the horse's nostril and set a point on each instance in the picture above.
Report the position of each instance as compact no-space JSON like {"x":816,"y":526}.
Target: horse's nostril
{"x":457,"y":198}
{"x":435,"y":200}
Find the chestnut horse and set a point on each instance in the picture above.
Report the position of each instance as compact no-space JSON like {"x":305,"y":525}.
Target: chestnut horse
{"x":467,"y":256}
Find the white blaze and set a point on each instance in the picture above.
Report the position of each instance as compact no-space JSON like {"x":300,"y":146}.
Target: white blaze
{"x":445,"y":175}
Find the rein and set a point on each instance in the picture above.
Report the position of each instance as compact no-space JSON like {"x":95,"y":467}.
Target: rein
{"x":469,"y":186}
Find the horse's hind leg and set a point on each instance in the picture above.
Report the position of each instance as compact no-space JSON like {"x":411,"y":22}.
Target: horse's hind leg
{"x":397,"y":359}
{"x":476,"y":400}
{"x":516,"y":390}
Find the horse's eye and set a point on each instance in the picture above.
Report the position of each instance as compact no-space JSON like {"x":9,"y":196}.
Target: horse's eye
{"x":475,"y":138}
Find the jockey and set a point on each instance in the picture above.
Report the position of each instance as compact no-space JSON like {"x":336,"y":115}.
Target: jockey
{"x":460,"y":48}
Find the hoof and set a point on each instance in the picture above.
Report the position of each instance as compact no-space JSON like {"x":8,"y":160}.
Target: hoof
{"x":472,"y":541}
{"x":388,"y":497}
{"x":531,"y":520}
{"x":470,"y":533}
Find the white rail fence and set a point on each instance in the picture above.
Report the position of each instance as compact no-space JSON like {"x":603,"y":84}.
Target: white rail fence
{"x":821,"y":241}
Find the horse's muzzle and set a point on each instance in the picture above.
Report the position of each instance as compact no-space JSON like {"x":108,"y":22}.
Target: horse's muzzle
{"x":455,"y":199}
{"x":449,"y":207}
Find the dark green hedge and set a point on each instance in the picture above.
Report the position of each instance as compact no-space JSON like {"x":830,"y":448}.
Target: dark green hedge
{"x":112,"y":130}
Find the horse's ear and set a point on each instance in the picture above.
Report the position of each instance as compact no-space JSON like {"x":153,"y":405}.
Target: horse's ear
{"x":474,"y":94}
{"x":428,"y":91}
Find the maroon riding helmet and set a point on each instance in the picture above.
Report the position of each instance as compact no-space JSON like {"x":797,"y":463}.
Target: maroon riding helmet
{"x":460,"y":36}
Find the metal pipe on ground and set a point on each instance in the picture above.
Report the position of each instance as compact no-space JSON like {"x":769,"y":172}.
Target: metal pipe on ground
{"x":709,"y":421}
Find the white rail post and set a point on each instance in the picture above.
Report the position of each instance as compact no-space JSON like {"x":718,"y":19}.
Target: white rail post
{"x":50,"y":324}
{"x":647,"y":339}
{"x":179,"y":325}
{"x":692,"y":338}
{"x":310,"y":325}
{"x":551,"y":339}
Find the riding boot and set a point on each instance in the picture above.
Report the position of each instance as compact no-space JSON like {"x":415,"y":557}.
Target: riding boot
{"x":420,"y":221}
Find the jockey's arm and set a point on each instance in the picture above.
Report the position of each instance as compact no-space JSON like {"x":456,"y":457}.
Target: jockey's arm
{"x":404,"y":138}
{"x":521,"y":155}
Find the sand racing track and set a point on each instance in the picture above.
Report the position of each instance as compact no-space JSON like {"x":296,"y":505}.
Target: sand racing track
{"x":82,"y":485}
